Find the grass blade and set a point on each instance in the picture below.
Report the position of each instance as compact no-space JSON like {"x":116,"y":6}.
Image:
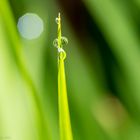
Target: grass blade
{"x":64,"y":117}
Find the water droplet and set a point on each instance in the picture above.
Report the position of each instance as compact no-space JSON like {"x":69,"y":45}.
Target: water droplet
{"x":57,"y":20}
{"x":64,"y":41}
{"x":55,"y":43}
{"x":30,"y":26}
{"x":62,"y":53}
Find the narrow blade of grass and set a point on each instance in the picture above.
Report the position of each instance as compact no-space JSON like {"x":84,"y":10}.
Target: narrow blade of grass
{"x":64,"y":116}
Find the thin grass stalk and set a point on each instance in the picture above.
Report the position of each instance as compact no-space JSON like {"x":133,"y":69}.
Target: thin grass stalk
{"x":64,"y":115}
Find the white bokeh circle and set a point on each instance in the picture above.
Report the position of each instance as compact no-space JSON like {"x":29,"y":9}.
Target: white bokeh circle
{"x":30,"y":26}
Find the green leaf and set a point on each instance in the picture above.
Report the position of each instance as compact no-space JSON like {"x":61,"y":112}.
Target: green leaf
{"x":64,"y":116}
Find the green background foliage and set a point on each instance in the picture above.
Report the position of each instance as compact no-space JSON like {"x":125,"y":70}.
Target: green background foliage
{"x":102,"y":70}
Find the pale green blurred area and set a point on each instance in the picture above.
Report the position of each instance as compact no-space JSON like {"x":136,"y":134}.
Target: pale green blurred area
{"x":15,"y":106}
{"x":97,"y":112}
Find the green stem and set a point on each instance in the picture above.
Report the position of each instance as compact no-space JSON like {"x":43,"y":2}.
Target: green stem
{"x":64,"y":116}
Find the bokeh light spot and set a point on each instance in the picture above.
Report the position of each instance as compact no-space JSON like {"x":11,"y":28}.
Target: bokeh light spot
{"x":30,"y":26}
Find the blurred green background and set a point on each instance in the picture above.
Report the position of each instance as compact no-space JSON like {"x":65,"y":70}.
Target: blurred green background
{"x":102,"y":70}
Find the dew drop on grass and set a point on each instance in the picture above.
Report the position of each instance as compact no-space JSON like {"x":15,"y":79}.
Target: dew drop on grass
{"x":30,"y":26}
{"x":55,"y":43}
{"x":64,"y":41}
{"x":62,"y":53}
{"x":57,"y":20}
